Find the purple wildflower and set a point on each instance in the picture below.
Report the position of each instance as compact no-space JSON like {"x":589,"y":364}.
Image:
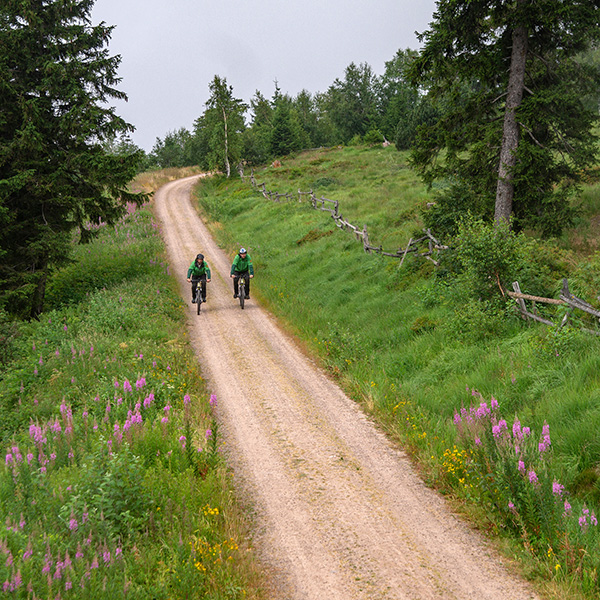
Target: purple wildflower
{"x":533,"y":478}
{"x":127,"y":386}
{"x":557,"y":488}
{"x":213,"y":400}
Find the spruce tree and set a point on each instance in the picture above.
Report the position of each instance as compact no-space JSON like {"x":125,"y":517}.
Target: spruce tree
{"x":516,"y":131}
{"x":57,"y":177}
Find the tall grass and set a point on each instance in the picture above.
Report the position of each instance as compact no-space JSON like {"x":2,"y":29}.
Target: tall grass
{"x":412,"y":348}
{"x":112,"y":482}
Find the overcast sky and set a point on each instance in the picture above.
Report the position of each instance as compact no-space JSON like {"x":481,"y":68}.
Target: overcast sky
{"x":172,"y":49}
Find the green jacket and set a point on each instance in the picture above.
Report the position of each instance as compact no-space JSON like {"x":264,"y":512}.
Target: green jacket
{"x":195,"y":271}
{"x":241,"y":265}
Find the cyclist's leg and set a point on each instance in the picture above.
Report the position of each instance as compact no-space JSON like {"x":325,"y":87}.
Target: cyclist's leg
{"x":194,"y":288}
{"x":247,"y":281}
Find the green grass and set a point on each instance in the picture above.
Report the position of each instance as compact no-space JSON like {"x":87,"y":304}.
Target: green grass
{"x":414,"y":350}
{"x":112,"y":483}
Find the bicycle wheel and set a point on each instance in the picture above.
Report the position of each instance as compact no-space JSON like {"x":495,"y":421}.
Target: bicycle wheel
{"x":198,"y":301}
{"x":242,"y":290}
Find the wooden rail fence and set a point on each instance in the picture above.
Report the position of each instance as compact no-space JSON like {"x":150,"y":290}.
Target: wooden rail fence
{"x":424,"y":246}
{"x":415,"y":247}
{"x":566,"y":298}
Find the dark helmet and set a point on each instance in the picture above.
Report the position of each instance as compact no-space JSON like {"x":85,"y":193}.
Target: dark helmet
{"x":200,"y":257}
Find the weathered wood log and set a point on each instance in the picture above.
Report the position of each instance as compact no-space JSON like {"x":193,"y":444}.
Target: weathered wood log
{"x":520,"y":296}
{"x":405,"y":252}
{"x":576,"y":302}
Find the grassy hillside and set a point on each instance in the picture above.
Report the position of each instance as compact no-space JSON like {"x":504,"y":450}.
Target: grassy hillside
{"x":501,"y":415}
{"x":112,"y":484}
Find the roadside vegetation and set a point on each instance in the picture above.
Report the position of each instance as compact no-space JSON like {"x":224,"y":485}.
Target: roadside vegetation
{"x":112,"y":482}
{"x":500,"y":415}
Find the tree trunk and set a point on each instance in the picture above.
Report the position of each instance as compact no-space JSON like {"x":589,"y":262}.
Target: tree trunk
{"x":37,"y":305}
{"x":510,"y":132}
{"x":227,"y":166}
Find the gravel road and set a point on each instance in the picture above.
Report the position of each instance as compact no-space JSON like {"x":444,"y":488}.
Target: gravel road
{"x":340,"y":512}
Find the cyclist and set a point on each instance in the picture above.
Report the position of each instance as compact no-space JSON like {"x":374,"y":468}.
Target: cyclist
{"x":199,"y":271}
{"x":241,"y":267}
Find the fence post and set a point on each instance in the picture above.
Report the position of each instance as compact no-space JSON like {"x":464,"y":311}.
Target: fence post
{"x":520,"y":301}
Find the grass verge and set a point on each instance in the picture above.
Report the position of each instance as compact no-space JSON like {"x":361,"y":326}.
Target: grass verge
{"x":112,"y":483}
{"x":440,"y":370}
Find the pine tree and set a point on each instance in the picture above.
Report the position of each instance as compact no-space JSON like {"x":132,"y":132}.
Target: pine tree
{"x":56,"y":175}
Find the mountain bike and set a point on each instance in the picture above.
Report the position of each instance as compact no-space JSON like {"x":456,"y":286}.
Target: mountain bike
{"x":242,"y":291}
{"x":198,"y":296}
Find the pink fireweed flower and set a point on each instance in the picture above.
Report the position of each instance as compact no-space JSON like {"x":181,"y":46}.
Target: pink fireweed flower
{"x":106,"y":556}
{"x":526,"y":431}
{"x":557,"y":488}
{"x":140,"y":383}
{"x":164,"y":420}
{"x":127,"y":386}
{"x":117,"y":385}
{"x":533,"y":478}
{"x":517,"y":433}
{"x":73,"y":525}
{"x":567,"y":507}
{"x":208,"y":433}
{"x":521,"y":466}
{"x":483,"y":410}
{"x":457,"y":419}
{"x":493,"y":403}
{"x":167,"y":408}
{"x":186,"y":400}
{"x":213,"y":400}
{"x":182,"y":441}
{"x":477,"y":442}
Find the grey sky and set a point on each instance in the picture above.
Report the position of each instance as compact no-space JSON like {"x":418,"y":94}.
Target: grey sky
{"x":171,"y":49}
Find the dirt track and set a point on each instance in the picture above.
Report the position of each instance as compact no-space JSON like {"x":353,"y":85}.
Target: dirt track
{"x":340,"y":513}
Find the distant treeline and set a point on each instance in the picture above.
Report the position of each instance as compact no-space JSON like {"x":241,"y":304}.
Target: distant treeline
{"x":360,"y":108}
